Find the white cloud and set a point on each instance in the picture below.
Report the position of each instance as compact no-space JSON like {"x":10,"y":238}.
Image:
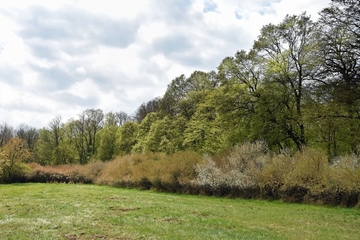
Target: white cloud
{"x":62,"y":57}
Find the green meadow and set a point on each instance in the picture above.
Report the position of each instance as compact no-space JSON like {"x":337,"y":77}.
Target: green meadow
{"x":70,"y":211}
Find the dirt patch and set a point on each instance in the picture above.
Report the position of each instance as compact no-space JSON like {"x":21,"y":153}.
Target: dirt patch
{"x":121,"y":209}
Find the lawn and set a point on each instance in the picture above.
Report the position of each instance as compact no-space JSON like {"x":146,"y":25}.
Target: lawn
{"x":60,"y":211}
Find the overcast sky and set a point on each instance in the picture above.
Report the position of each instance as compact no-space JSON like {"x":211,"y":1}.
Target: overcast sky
{"x":63,"y":57}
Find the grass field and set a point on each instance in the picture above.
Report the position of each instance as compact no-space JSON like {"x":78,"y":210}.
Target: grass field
{"x":60,"y":211}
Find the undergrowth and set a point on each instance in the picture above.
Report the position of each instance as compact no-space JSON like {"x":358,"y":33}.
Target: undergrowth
{"x":248,"y":171}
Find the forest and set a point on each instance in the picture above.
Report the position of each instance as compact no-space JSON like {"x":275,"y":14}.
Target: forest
{"x":294,"y":95}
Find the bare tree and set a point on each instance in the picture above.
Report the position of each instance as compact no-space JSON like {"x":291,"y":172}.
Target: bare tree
{"x":6,"y":133}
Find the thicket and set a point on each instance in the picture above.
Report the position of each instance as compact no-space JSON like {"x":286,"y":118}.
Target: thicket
{"x":249,"y":170}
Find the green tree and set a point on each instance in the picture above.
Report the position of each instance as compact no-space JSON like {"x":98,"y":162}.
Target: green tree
{"x":143,"y":132}
{"x":176,"y":98}
{"x":126,"y":138}
{"x":43,"y":147}
{"x":204,"y":133}
{"x":166,"y":135}
{"x":289,"y":51}
{"x":64,"y":153}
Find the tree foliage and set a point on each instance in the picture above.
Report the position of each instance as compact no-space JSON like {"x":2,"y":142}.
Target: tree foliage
{"x":12,"y":155}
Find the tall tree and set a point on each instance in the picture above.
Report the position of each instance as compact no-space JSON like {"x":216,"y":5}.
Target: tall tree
{"x":94,"y":121}
{"x":107,"y":135}
{"x":55,"y":127}
{"x":340,"y":85}
{"x":288,"y":50}
{"x":126,"y":138}
{"x":43,"y":147}
{"x":79,"y":138}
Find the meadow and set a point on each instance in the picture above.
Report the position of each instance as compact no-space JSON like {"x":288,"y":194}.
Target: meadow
{"x":79,"y":211}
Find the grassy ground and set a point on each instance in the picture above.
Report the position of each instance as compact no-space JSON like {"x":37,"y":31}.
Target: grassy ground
{"x":60,"y":211}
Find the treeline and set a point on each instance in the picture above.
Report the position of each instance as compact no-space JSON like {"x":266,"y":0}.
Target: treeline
{"x":297,"y":87}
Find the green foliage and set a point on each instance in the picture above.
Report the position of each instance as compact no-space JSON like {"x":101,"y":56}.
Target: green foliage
{"x":107,"y":146}
{"x":126,"y":138}
{"x":64,"y":153}
{"x":143,"y":132}
{"x":43,"y":148}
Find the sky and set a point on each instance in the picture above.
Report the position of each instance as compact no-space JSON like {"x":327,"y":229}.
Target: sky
{"x":59,"y":58}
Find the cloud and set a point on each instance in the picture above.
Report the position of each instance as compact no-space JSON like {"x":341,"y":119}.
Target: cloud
{"x":69,"y":26}
{"x":209,"y":6}
{"x":53,"y":78}
{"x":10,"y":74}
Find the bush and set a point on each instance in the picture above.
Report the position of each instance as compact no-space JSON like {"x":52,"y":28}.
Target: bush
{"x":237,"y":173}
{"x":156,"y":170}
{"x":64,"y":173}
{"x":272,"y":177}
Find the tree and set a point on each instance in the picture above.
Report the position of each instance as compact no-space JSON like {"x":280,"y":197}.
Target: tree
{"x":93,"y":120}
{"x":146,"y":108}
{"x":78,"y":138}
{"x":166,"y":135}
{"x":175,"y":99}
{"x":29,"y":134}
{"x":83,"y":133}
{"x":55,"y":126}
{"x":64,"y":153}
{"x":107,"y":147}
{"x":340,"y":83}
{"x":143,"y":132}
{"x":288,"y":50}
{"x":107,"y":136}
{"x":238,"y":99}
{"x":245,"y":68}
{"x":12,"y":155}
{"x":6,"y":133}
{"x":204,"y":133}
{"x":347,"y":13}
{"x":43,"y":147}
{"x":122,"y":118}
{"x":126,"y":138}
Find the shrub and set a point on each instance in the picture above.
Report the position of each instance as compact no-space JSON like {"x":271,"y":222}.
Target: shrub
{"x":306,"y":176}
{"x":272,"y":177}
{"x":239,"y":170}
{"x":64,"y":173}
{"x":156,"y":170}
{"x":309,"y":170}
